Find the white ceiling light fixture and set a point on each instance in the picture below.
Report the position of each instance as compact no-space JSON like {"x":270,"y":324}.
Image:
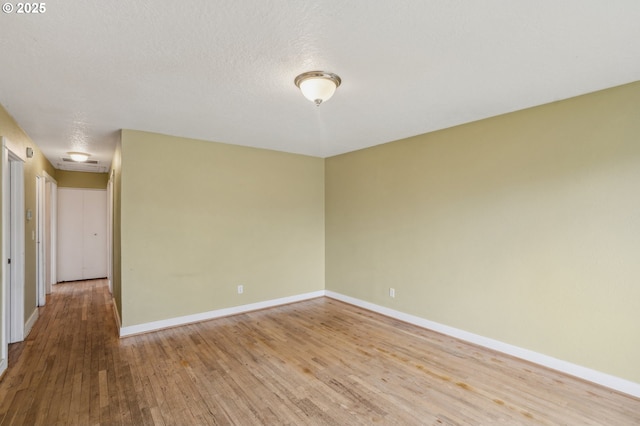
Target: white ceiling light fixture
{"x":79,"y":157}
{"x":318,"y":86}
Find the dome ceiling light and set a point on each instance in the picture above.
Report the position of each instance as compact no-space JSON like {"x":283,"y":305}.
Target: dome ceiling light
{"x":318,"y":86}
{"x":79,"y":157}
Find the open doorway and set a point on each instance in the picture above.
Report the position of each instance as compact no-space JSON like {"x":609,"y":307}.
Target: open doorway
{"x":46,"y":195}
{"x":12,"y":251}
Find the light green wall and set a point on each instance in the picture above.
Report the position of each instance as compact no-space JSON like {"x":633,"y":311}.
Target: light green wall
{"x":200,"y":218}
{"x":71,"y":179}
{"x":522,"y":228}
{"x":19,"y":141}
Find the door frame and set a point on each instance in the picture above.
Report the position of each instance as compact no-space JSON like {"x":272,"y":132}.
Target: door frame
{"x":41,"y":296}
{"x":45,"y":234}
{"x":110,"y":231}
{"x":52,"y":188}
{"x":13,"y":225}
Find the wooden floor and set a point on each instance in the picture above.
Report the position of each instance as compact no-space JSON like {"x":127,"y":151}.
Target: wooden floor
{"x":314,"y":362}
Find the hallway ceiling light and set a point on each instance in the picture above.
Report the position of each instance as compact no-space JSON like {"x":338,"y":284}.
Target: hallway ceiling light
{"x":80,"y":157}
{"x":317,"y":86}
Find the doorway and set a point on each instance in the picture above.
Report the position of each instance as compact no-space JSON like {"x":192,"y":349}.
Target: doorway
{"x":12,"y":329}
{"x":46,"y":195}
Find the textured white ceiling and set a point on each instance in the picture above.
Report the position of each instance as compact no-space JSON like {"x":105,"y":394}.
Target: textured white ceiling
{"x":224,"y":70}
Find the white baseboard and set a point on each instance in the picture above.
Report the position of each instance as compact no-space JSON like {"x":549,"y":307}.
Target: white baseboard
{"x":604,"y":379}
{"x":30,"y":322}
{"x":607,"y":380}
{"x":189,"y":319}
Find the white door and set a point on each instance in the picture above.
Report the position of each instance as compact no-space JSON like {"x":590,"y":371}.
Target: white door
{"x":95,"y":235}
{"x":82,"y":231}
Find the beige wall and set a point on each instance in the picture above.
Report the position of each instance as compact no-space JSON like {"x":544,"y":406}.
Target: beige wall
{"x":19,"y":141}
{"x":70,"y":179}
{"x":522,"y":228}
{"x":200,"y":218}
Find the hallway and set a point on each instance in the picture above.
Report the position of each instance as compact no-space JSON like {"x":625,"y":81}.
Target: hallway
{"x":60,"y":371}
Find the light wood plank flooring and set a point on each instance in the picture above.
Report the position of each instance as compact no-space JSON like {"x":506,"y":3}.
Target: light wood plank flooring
{"x":315,"y":362}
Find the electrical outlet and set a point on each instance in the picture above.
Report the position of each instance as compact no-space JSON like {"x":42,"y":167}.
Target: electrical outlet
{"x":240,"y":289}
{"x":392,"y":292}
